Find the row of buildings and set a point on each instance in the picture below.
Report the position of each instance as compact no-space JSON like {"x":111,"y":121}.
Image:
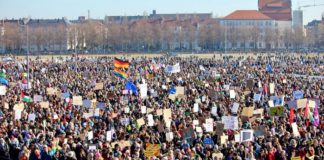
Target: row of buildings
{"x":273,"y":17}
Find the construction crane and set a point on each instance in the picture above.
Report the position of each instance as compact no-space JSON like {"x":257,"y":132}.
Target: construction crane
{"x":313,"y":5}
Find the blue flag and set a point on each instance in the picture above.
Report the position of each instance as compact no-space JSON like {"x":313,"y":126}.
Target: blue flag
{"x":172,"y":90}
{"x":269,"y":68}
{"x":131,"y":87}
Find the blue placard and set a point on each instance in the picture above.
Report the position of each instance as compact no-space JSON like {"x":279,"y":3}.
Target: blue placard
{"x":87,"y":103}
{"x":208,"y":141}
{"x":298,"y":94}
{"x":256,"y":97}
{"x":277,"y":100}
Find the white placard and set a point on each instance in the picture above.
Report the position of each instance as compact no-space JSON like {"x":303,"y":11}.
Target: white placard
{"x":143,"y":109}
{"x":199,"y":130}
{"x":31,"y":117}
{"x":97,"y":112}
{"x":237,"y":137}
{"x":143,"y":90}
{"x":230,"y":122}
{"x":126,"y":109}
{"x":150,"y":120}
{"x":196,"y":108}
{"x":235,"y":108}
{"x":3,"y":90}
{"x":270,"y":103}
{"x":195,"y":122}
{"x":90,"y":135}
{"x":169,"y":136}
{"x":214,"y":111}
{"x":209,"y":125}
{"x":18,"y":114}
{"x":108,"y":136}
{"x":295,"y":129}
{"x":272,"y":87}
{"x":232,"y":94}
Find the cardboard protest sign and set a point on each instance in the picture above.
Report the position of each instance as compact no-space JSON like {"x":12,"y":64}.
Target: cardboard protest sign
{"x":219,"y":128}
{"x":272,"y":87}
{"x":247,"y":111}
{"x":258,"y":113}
{"x":38,"y":98}
{"x":99,"y":86}
{"x":77,"y":100}
{"x":301,"y":103}
{"x":167,"y":114}
{"x":51,"y":91}
{"x":247,"y":135}
{"x":3,"y":90}
{"x":298,"y":94}
{"x":277,"y":111}
{"x":230,"y":122}
{"x":152,"y":150}
{"x":140,"y":122}
{"x":296,"y":158}
{"x":179,"y":91}
{"x":223,"y":139}
{"x":19,"y":106}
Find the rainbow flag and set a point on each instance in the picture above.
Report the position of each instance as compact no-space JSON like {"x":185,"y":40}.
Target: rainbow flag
{"x":120,"y":73}
{"x":120,"y":63}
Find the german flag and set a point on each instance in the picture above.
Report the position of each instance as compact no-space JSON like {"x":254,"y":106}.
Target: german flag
{"x":120,"y":73}
{"x":120,"y":63}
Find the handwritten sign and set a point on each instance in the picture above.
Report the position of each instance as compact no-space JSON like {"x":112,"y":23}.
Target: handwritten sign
{"x":3,"y":90}
{"x":44,"y":104}
{"x":272,"y":87}
{"x":247,"y":111}
{"x":38,"y":98}
{"x":246,"y":135}
{"x":99,"y":86}
{"x":230,"y":122}
{"x":298,"y":94}
{"x":301,"y":103}
{"x":77,"y":100}
{"x":152,"y":150}
{"x":277,"y":111}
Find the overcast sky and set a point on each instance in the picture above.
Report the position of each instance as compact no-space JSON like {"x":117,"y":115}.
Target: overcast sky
{"x":99,"y":8}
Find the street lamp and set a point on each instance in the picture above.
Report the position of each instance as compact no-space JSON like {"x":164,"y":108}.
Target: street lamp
{"x":25,"y":23}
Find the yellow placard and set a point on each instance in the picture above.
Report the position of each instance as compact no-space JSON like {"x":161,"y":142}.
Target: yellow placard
{"x":152,"y":150}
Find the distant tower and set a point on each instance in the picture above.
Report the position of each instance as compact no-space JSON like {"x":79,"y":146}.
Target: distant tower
{"x":298,"y":19}
{"x":88,"y":14}
{"x":323,"y":16}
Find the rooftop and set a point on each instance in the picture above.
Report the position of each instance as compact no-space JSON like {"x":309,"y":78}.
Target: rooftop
{"x":246,"y":15}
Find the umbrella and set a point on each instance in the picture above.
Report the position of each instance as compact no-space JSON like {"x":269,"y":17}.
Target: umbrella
{"x":4,"y":81}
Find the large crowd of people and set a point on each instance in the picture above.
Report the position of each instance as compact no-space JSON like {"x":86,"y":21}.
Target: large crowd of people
{"x":169,"y":108}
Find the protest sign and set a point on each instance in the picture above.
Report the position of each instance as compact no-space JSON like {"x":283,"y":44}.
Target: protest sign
{"x":195,"y":122}
{"x":124,"y":121}
{"x":272,"y":87}
{"x":109,"y":136}
{"x":99,"y":86}
{"x":214,"y":111}
{"x":51,"y":91}
{"x":188,"y":134}
{"x":260,"y":131}
{"x":140,"y":122}
{"x":258,"y":113}
{"x":44,"y":104}
{"x":232,"y":94}
{"x":159,"y":112}
{"x":143,"y":90}
{"x":90,"y":135}
{"x":277,"y":111}
{"x":150,"y":120}
{"x":223,"y":139}
{"x":172,"y":69}
{"x":298,"y":94}
{"x":208,"y":141}
{"x":31,"y":117}
{"x":19,"y":106}
{"x":87,"y":115}
{"x":38,"y":98}
{"x":249,"y":83}
{"x":195,"y":108}
{"x":86,"y":103}
{"x":246,"y":135}
{"x":247,"y":111}
{"x":301,"y":103}
{"x":209,"y":125}
{"x":235,"y":108}
{"x":230,"y":122}
{"x":169,"y":136}
{"x":143,"y":109}
{"x":152,"y":150}
{"x":77,"y":100}
{"x":18,"y":114}
{"x":179,"y":91}
{"x":3,"y":90}
{"x":295,"y":130}
{"x":237,"y":138}
{"x":199,"y":130}
{"x":277,"y":100}
{"x":219,"y":128}
{"x":256,"y":97}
